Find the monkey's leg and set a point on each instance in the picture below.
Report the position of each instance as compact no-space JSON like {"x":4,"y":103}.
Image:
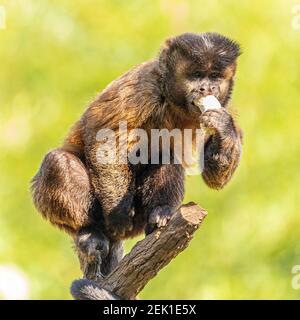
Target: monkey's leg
{"x":92,"y":247}
{"x":62,"y":193}
{"x":114,"y":185}
{"x":160,"y":190}
{"x":98,"y":256}
{"x":113,"y":258}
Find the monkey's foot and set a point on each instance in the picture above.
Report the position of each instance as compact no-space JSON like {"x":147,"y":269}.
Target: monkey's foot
{"x":120,"y":224}
{"x":159,"y":217}
{"x":92,"y":249}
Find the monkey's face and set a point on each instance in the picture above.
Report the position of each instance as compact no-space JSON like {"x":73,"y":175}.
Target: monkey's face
{"x":197,"y":66}
{"x":198,"y":80}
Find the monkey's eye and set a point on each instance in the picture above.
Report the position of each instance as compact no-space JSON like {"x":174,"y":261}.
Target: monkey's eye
{"x":198,"y":74}
{"x":214,"y":76}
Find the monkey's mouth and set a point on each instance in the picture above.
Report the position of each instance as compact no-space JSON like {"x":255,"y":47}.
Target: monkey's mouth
{"x":202,"y":104}
{"x":197,"y":105}
{"x":195,"y":102}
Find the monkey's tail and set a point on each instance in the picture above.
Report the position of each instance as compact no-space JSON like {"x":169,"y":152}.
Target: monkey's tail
{"x":84,"y":289}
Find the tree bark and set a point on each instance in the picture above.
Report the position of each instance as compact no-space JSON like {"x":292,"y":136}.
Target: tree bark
{"x":145,"y":259}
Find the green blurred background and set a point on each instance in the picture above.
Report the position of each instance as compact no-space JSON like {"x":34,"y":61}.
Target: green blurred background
{"x":56,"y":55}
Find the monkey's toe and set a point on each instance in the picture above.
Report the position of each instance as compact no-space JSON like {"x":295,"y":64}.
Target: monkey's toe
{"x":159,"y":217}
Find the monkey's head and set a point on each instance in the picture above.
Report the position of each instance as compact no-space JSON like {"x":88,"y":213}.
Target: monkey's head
{"x":197,"y":65}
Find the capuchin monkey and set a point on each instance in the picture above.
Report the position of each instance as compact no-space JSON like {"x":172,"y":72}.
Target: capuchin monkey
{"x":99,"y":204}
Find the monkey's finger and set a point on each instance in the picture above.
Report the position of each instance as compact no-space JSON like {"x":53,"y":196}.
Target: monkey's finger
{"x":215,"y":111}
{"x":220,"y":113}
{"x":162,"y":222}
{"x":207,"y":118}
{"x":165,"y":221}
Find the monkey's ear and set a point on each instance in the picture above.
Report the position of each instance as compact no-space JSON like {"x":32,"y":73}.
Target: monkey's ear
{"x":165,"y":52}
{"x":230,"y":71}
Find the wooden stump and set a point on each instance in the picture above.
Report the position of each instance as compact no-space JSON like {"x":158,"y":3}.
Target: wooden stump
{"x":145,"y":259}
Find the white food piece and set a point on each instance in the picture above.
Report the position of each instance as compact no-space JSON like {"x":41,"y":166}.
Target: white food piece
{"x":208,"y":103}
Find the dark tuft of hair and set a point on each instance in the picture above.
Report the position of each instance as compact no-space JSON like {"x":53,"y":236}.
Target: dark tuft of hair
{"x":200,"y":46}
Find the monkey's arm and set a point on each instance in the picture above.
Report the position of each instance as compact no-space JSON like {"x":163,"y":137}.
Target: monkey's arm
{"x":222,"y":151}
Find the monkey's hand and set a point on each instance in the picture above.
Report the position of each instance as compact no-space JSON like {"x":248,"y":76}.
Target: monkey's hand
{"x":159,"y":217}
{"x":222,"y":151}
{"x":218,"y":121}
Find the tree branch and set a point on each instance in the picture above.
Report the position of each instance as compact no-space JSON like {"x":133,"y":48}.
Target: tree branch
{"x":145,"y":259}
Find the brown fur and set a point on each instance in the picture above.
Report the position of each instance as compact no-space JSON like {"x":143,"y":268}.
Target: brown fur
{"x":76,"y":192}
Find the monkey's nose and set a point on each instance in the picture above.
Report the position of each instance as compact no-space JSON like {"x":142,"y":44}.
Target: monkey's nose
{"x":205,"y":89}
